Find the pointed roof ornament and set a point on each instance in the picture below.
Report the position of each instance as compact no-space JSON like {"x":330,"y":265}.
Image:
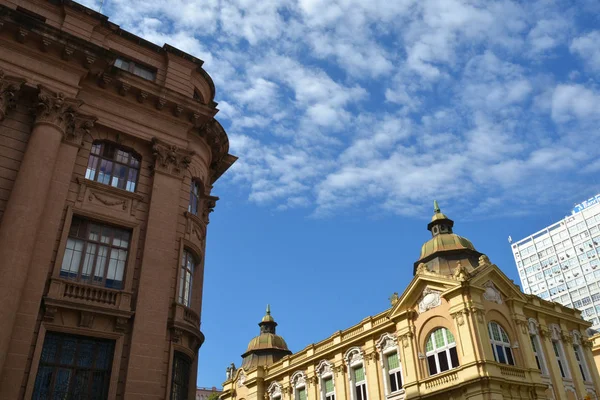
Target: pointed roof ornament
{"x":436,"y":208}
{"x":268,"y":309}
{"x":268,"y":317}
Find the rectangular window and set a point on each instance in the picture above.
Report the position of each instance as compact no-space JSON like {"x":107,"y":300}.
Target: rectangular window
{"x":393,"y":368}
{"x":359,"y":382}
{"x":136,"y":69}
{"x":73,"y":367}
{"x":580,"y":361}
{"x":432,"y":366}
{"x":559,"y":359}
{"x":111,"y":165}
{"x":329,"y":389}
{"x":301,"y":394}
{"x":95,"y":253}
{"x":181,"y":376}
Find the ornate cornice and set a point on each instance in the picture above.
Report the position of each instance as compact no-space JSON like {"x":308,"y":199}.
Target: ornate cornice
{"x":53,"y":108}
{"x":170,"y":159}
{"x":10,"y":87}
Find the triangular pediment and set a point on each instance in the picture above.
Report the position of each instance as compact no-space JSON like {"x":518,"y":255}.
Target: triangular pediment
{"x":491,"y":278}
{"x":420,"y":286}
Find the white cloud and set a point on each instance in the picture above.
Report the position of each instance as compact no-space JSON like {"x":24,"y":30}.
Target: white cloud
{"x":588,"y":48}
{"x":574,"y":101}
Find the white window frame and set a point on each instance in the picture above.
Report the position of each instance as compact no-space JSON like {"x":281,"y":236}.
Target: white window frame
{"x":386,"y":345}
{"x":535,"y":338}
{"x":325,"y":371}
{"x":443,"y":349}
{"x":580,"y":356}
{"x":354,"y":358}
{"x":559,"y":351}
{"x":505,"y":345}
{"x":298,"y":380}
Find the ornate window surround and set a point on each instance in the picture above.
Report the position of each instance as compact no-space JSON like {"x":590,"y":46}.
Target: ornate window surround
{"x":354,"y":357}
{"x":325,"y":370}
{"x":298,"y":381}
{"x":559,"y":350}
{"x":275,"y":391}
{"x":580,"y":356}
{"x":534,"y":334}
{"x":388,"y":344}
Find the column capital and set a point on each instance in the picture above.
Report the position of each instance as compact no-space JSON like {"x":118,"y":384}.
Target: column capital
{"x":53,"y":108}
{"x":81,"y":126}
{"x":170,"y":159}
{"x":10,"y":86}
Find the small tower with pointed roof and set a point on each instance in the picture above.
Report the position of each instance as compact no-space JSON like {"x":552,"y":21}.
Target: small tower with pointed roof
{"x":266,"y":348}
{"x":445,"y":249}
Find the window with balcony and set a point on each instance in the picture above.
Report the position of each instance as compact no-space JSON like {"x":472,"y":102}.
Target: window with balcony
{"x":73,"y":367}
{"x":181,"y":376}
{"x":440,"y":350}
{"x":188,"y":265}
{"x":500,"y":344}
{"x":96,"y":253}
{"x":142,"y":71}
{"x":113,"y":165}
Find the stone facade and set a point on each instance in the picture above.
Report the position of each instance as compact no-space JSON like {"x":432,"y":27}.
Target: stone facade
{"x":460,"y":330}
{"x":108,"y":153}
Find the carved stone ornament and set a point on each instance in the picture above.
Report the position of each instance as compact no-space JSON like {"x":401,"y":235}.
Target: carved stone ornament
{"x":86,"y":319}
{"x":429,"y":299}
{"x":460,"y":273}
{"x":533,"y":326}
{"x":169,"y":158}
{"x":324,"y":367}
{"x":405,"y":339}
{"x":576,"y":337}
{"x":555,"y":332}
{"x":176,"y":335}
{"x":50,"y":313}
{"x":55,"y":109}
{"x":82,"y":126}
{"x":459,"y":316}
{"x":491,"y":293}
{"x":484,"y":261}
{"x":241,"y":379}
{"x":275,"y":389}
{"x":394,"y":299}
{"x":298,"y":378}
{"x":385,"y":342}
{"x":9,"y":90}
{"x":121,"y":324}
{"x":353,"y":355}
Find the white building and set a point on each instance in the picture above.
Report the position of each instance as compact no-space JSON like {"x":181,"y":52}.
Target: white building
{"x":561,"y":262}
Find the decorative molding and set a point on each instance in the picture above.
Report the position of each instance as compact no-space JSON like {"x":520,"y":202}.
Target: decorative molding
{"x":170,"y":159}
{"x":429,"y":299}
{"x":555,"y":332}
{"x":353,"y":355}
{"x":82,"y":126}
{"x":55,"y":109}
{"x":176,"y":335}
{"x":459,"y":316}
{"x":10,"y":88}
{"x":107,"y":202}
{"x":324,"y":367}
{"x":533,"y":326}
{"x":275,"y":389}
{"x":576,"y":337}
{"x":86,"y":319}
{"x":50,"y":313}
{"x":298,"y":378}
{"x":460,"y":272}
{"x":406,"y":338}
{"x":484,"y":261}
{"x":121,"y":324}
{"x":522,"y":324}
{"x":478,"y":313}
{"x":386,"y":341}
{"x":491,"y":293}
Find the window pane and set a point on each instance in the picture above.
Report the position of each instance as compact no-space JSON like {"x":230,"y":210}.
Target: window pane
{"x":454,"y":357}
{"x":432,"y":365}
{"x":500,"y":352}
{"x":450,"y":337}
{"x":328,"y":382}
{"x":90,"y":172}
{"x":439,"y":338}
{"x":443,"y":360}
{"x":393,"y":383}
{"x":509,"y":356}
{"x":88,"y":262}
{"x":131,"y":180}
{"x":302,"y":394}
{"x":393,"y":361}
{"x":429,"y":345}
{"x":105,"y":172}
{"x":359,"y":374}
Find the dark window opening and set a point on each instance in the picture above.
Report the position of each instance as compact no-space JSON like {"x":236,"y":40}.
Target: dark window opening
{"x":181,"y":376}
{"x":142,"y":71}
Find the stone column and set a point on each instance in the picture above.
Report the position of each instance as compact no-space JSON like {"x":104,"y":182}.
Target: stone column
{"x":148,"y":361}
{"x":54,"y":114}
{"x":50,"y":227}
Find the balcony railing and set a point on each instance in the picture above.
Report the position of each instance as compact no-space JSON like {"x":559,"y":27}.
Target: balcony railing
{"x":96,"y":296}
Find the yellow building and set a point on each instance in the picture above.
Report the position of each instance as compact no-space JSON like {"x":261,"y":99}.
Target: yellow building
{"x":460,"y":330}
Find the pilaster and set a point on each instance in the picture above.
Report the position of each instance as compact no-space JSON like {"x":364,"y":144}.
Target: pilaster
{"x":54,"y":115}
{"x":553,"y":370}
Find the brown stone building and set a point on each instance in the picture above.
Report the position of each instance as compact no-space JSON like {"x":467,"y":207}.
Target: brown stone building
{"x":108,"y":153}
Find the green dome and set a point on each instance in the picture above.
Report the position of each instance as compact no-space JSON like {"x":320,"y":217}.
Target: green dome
{"x":267,"y":341}
{"x":445,"y":242}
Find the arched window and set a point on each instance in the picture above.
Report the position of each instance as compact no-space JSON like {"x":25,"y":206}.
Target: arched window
{"x":181,"y":376}
{"x":195,"y":191}
{"x":358,"y":379}
{"x":325,"y":374}
{"x":113,"y":165}
{"x":440,"y":350}
{"x":299,"y":385}
{"x":188,"y":265}
{"x":500,"y":344}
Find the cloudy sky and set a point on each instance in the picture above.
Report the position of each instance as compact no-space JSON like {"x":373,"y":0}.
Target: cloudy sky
{"x":351,"y":116}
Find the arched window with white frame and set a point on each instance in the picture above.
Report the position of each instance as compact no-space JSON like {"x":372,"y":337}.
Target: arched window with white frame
{"x":559,"y":351}
{"x":501,"y":346}
{"x":326,"y":382}
{"x":299,"y":385}
{"x":579,"y":357}
{"x":274,"y":391}
{"x":536,"y":345}
{"x":356,"y":373}
{"x":440,"y":350}
{"x":391,"y":367}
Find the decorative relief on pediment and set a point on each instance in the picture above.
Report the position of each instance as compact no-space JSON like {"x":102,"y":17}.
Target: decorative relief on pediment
{"x":429,"y":299}
{"x":491,"y":293}
{"x":386,"y":341}
{"x":324,"y":368}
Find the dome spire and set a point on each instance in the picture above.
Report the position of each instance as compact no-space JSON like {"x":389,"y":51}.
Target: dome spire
{"x":267,"y":347}
{"x":436,"y":208}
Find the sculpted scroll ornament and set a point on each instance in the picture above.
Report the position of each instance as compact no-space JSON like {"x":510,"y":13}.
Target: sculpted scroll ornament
{"x":55,"y":109}
{"x":9,"y":89}
{"x":169,"y":158}
{"x":429,"y":299}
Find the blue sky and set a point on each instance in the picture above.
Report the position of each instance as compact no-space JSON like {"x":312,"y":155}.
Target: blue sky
{"x":350,"y":117}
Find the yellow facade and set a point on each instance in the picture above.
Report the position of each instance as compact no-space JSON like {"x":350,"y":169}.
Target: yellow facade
{"x":460,"y":330}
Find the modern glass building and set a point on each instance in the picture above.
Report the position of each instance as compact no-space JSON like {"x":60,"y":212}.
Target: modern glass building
{"x":561,"y":262}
